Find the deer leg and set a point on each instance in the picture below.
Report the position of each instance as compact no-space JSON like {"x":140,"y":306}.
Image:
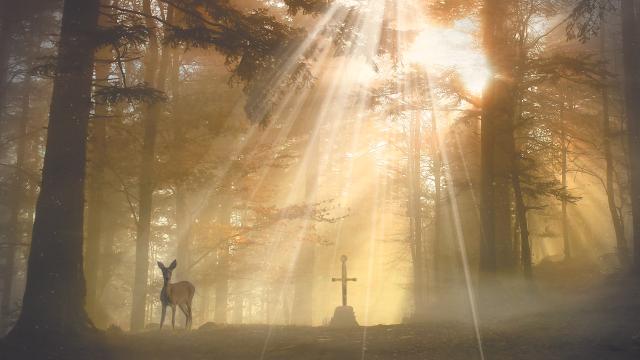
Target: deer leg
{"x":183,"y":307}
{"x":190,"y":315}
{"x":164,"y":312}
{"x":173,"y":316}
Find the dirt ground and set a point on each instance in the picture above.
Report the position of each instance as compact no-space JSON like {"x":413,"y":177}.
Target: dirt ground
{"x":530,"y":338}
{"x":601,"y":323}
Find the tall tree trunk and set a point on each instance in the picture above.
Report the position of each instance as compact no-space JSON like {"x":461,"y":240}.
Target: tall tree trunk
{"x":238,"y":309}
{"x":96,"y":175}
{"x":437,"y":206}
{"x":520,"y":204}
{"x":564,"y":154}
{"x":7,"y":24}
{"x":15,"y":230}
{"x":204,"y":304}
{"x":183,"y":220}
{"x":223,"y":261}
{"x":183,"y":229}
{"x":107,"y":254}
{"x":516,"y":247}
{"x":616,"y":217}
{"x":631,"y":46}
{"x":109,"y":224}
{"x":145,"y":190}
{"x":415,"y":214}
{"x":222,"y":284}
{"x":521,"y":219}
{"x":495,"y":133}
{"x":488,"y":246}
{"x":54,"y":271}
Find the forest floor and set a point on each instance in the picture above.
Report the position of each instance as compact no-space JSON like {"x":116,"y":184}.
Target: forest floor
{"x":606,"y":326}
{"x":597,"y":321}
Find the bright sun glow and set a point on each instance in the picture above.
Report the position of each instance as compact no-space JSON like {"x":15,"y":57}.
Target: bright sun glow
{"x":443,"y":49}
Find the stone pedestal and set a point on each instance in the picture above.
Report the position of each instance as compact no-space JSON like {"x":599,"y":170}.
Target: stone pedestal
{"x":344,"y":317}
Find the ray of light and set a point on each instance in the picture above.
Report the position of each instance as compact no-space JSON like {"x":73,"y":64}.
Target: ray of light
{"x":263,"y":135}
{"x":459,"y":234}
{"x":345,"y":94}
{"x":335,"y":98}
{"x":377,"y":214}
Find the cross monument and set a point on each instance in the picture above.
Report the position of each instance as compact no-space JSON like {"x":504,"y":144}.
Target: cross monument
{"x":344,"y":316}
{"x":344,"y":279}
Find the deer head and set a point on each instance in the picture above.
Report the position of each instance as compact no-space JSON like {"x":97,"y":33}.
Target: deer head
{"x":167,"y":271}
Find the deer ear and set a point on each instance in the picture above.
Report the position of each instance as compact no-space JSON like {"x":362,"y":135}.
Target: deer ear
{"x":173,"y":265}
{"x":161,"y":265}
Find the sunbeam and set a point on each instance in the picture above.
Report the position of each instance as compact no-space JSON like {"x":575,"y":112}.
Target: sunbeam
{"x":335,"y":179}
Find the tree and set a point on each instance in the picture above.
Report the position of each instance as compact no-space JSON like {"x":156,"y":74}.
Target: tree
{"x":97,"y":159}
{"x":588,"y":19}
{"x":497,"y":131}
{"x":20,"y":178}
{"x":410,"y":105}
{"x":251,"y":43}
{"x":608,"y":138}
{"x":183,"y":218}
{"x":55,"y":276}
{"x":154,"y":75}
{"x":631,"y":48}
{"x":6,"y":28}
{"x":11,"y":16}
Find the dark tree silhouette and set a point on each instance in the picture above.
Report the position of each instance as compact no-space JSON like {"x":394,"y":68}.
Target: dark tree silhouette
{"x":631,"y":46}
{"x":146,"y":177}
{"x":6,"y":28}
{"x":496,"y":132}
{"x":55,"y":267}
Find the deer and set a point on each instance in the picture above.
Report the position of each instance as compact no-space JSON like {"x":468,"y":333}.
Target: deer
{"x":179,"y":294}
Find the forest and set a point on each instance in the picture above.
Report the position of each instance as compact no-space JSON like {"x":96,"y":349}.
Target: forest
{"x":320,"y":179}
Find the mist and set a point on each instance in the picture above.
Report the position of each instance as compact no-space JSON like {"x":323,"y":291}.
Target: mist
{"x":319,"y":179}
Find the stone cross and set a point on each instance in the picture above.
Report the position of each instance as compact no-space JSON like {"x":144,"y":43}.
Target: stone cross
{"x":344,"y":279}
